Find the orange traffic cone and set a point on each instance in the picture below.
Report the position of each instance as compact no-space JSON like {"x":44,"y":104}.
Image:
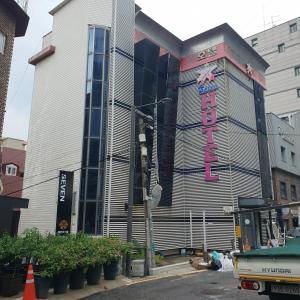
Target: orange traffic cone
{"x":29,"y":291}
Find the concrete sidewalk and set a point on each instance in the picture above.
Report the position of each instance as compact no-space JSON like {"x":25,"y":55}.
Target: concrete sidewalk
{"x":175,"y":269}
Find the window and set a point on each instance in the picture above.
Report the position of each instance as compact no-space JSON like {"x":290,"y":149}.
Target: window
{"x":283,"y":193}
{"x":293,"y":28}
{"x":293,"y":193}
{"x":297,"y":71}
{"x":2,"y":42}
{"x":283,"y":153}
{"x":254,"y":42}
{"x":281,"y":48}
{"x":293,"y":158}
{"x":11,"y":170}
{"x":298,"y":93}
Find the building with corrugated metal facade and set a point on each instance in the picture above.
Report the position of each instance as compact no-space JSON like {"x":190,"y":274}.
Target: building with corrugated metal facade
{"x":207,"y":148}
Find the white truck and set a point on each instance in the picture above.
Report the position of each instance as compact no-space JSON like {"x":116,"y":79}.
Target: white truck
{"x":274,"y":271}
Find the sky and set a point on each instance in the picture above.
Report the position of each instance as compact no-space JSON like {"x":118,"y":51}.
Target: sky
{"x":183,"y":18}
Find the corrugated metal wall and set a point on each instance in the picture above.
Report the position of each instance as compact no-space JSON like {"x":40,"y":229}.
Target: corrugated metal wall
{"x":238,"y":167}
{"x":121,"y":97}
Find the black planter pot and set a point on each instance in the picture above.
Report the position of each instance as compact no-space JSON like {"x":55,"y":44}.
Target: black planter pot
{"x":111,"y":270}
{"x":60,"y":283}
{"x":77,"y":279}
{"x":93,"y":275}
{"x":10,"y":284}
{"x":42,"y":286}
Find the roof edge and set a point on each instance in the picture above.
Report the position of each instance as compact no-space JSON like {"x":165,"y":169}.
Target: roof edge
{"x":59,"y":7}
{"x":225,"y":27}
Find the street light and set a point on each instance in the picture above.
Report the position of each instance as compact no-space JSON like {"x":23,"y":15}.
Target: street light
{"x":135,"y":111}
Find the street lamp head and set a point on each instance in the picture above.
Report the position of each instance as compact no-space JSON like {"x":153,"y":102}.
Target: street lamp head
{"x":160,"y":101}
{"x":165,"y":100}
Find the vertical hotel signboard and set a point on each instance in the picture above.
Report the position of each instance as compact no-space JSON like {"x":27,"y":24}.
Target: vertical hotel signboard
{"x":64,"y":202}
{"x":207,"y":90}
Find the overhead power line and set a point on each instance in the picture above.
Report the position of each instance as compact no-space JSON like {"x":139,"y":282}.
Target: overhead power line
{"x":55,"y":177}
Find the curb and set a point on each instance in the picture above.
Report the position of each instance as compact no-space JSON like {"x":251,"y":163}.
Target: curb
{"x":163,"y":269}
{"x":155,"y":277}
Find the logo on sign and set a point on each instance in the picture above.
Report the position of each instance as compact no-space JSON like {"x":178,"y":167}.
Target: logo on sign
{"x":207,"y":53}
{"x":205,"y":79}
{"x":207,"y":90}
{"x":62,"y":187}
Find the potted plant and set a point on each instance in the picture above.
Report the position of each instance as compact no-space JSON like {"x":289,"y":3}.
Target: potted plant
{"x":114,"y":249}
{"x":44,"y":269}
{"x":96,"y":253}
{"x":64,"y":261}
{"x":83,"y":256}
{"x":10,"y":264}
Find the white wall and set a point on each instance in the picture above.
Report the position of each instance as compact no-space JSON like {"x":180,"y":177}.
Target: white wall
{"x":56,"y":125}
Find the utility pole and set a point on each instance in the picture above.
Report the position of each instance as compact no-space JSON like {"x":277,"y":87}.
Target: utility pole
{"x":149,"y":253}
{"x":135,"y":111}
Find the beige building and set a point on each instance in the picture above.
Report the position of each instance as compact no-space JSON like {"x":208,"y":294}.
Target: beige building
{"x":280,"y":47}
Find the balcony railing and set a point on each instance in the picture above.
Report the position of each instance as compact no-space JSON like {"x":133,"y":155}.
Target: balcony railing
{"x":23,"y":4}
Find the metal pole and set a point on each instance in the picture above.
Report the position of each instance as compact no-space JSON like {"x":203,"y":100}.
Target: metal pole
{"x":299,"y":216}
{"x":191,"y":228}
{"x":131,"y":187}
{"x":147,"y":211}
{"x":204,"y":238}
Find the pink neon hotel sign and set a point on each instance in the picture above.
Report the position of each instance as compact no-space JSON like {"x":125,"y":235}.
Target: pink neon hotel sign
{"x":207,"y":90}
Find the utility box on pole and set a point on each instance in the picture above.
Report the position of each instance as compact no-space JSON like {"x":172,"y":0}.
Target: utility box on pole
{"x":149,"y":253}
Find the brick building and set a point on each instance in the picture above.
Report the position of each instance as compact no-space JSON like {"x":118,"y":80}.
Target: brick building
{"x":13,"y":23}
{"x":13,"y":154}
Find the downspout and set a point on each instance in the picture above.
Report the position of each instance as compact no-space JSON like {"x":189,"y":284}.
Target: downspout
{"x":112,"y":119}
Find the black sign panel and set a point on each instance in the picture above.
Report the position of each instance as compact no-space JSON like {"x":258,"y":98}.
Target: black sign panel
{"x":64,"y":203}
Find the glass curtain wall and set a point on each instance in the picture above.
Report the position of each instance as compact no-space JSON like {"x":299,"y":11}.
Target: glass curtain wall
{"x":94,"y":139}
{"x":145,"y":92}
{"x":168,"y":82}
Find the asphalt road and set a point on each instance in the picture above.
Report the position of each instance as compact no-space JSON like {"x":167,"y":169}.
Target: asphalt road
{"x":201,"y":286}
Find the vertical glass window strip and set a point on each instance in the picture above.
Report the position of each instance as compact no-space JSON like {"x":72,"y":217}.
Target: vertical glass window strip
{"x":95,"y":123}
{"x":88,"y":95}
{"x":86,"y":123}
{"x":99,"y":40}
{"x":298,"y":93}
{"x":91,"y":40}
{"x":297,"y":71}
{"x":94,"y":153}
{"x":94,"y":142}
{"x":97,"y":93}
{"x":98,"y":66}
{"x":90,"y":218}
{"x":92,"y":184}
{"x":80,"y":217}
{"x":90,"y":67}
{"x":2,"y":42}
{"x":82,"y":184}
